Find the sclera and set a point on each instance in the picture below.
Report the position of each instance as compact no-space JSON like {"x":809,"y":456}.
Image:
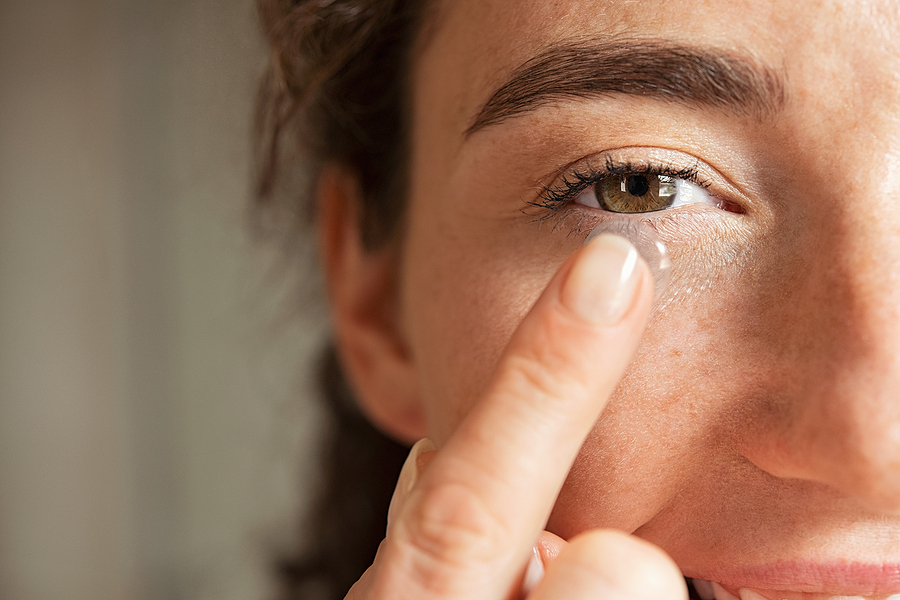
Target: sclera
{"x":647,"y":242}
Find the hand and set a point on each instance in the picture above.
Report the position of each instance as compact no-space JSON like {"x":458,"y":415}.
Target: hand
{"x":466,"y":521}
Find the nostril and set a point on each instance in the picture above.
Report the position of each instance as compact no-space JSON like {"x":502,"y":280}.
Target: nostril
{"x":857,"y":457}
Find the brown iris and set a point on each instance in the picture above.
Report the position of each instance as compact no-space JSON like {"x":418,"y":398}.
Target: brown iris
{"x":635,"y":193}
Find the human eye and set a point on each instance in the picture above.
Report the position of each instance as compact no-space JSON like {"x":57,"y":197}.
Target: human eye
{"x":627,"y":186}
{"x":636,"y":192}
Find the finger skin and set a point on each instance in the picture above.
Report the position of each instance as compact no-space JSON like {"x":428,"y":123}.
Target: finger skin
{"x":613,"y":566}
{"x":416,"y":462}
{"x":549,"y":545}
{"x":362,"y":589}
{"x":468,"y":527}
{"x":546,"y":549}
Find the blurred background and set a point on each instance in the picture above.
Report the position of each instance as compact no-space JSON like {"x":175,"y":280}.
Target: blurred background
{"x":154,"y":405}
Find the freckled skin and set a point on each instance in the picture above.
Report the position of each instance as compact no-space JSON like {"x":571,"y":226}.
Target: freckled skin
{"x":760,"y":418}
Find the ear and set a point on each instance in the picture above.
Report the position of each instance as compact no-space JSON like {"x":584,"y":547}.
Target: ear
{"x":365,"y":311}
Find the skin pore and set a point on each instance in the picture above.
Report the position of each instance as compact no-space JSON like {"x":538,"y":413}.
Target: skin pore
{"x":755,"y":437}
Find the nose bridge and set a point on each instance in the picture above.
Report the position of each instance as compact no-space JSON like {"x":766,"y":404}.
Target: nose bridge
{"x":828,"y":316}
{"x":845,"y":424}
{"x":866,"y":273}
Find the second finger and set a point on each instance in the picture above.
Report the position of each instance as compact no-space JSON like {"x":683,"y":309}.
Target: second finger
{"x":611,"y":565}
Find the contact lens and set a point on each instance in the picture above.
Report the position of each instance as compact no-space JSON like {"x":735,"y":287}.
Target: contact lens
{"x":645,"y":239}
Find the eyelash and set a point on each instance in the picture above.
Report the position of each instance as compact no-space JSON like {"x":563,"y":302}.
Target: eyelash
{"x":555,"y":197}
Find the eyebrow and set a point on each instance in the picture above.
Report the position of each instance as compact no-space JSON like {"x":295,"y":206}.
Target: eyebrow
{"x":655,"y":69}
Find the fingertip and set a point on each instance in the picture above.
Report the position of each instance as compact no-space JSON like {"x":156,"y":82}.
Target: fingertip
{"x":420,"y":455}
{"x":549,"y":545}
{"x":605,"y":282}
{"x":534,"y":572}
{"x":629,"y":566}
{"x":545,"y":551}
{"x":646,"y":240}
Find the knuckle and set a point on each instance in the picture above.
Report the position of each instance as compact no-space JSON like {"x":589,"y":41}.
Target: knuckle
{"x":450,"y":530}
{"x":554,"y":356}
{"x":543,"y":372}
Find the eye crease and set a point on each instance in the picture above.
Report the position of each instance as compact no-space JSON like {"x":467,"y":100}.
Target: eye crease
{"x":639,"y":193}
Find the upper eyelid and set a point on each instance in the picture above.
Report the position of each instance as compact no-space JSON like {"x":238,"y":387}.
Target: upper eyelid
{"x":656,"y":155}
{"x":645,"y":168}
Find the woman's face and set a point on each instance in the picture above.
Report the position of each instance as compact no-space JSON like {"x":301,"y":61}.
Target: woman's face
{"x":756,"y":435}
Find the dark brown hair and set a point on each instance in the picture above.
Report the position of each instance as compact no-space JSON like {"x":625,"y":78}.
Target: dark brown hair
{"x":335,"y":92}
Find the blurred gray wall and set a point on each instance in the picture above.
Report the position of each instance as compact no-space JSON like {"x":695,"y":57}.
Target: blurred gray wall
{"x":151,"y":394}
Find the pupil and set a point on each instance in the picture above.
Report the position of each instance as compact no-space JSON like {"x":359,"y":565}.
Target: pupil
{"x":637,"y":185}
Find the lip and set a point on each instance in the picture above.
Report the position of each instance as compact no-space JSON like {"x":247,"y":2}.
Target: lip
{"x":844,"y":579}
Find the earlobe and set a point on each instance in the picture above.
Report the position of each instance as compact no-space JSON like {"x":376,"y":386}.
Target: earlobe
{"x":362,"y":290}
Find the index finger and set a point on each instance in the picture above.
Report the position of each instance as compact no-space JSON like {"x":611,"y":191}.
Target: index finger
{"x":470,"y":524}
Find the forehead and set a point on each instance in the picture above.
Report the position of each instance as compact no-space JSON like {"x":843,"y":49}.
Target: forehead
{"x":828,"y":50}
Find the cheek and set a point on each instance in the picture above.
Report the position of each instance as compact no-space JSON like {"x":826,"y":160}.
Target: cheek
{"x":662,"y":427}
{"x":464,"y":297}
{"x":668,"y":446}
{"x":470,"y":275}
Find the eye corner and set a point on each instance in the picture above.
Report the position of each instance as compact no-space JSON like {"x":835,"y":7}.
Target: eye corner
{"x":731,"y":207}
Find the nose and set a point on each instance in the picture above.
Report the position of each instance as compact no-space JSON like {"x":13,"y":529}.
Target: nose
{"x":835,"y":418}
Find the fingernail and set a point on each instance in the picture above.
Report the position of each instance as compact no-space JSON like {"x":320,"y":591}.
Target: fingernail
{"x":646,"y":241}
{"x":409,"y":474}
{"x":534,"y":572}
{"x":602,"y":285}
